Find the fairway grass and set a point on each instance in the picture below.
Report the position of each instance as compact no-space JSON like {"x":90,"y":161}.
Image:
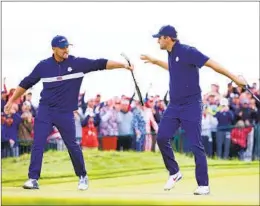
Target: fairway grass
{"x":128,"y":178}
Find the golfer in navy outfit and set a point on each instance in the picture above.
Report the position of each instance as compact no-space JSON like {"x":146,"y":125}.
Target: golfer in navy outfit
{"x":185,"y":107}
{"x":62,"y":75}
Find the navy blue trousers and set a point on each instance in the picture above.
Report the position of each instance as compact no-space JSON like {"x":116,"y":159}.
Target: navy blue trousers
{"x":188,"y":116}
{"x":65,"y":123}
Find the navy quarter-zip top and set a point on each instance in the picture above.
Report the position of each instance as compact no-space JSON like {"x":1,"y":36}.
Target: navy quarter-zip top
{"x":61,"y":80}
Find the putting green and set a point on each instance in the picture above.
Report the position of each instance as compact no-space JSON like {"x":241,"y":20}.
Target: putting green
{"x":233,"y":184}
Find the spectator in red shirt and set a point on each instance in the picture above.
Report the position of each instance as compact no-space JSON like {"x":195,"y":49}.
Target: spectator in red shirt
{"x":239,"y":138}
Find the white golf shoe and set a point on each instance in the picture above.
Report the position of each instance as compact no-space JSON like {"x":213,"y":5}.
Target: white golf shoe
{"x":83,"y":183}
{"x":172,"y":180}
{"x":202,"y":190}
{"x":31,"y":184}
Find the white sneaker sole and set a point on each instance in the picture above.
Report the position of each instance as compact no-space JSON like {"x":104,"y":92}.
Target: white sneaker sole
{"x":196,"y":193}
{"x":83,"y":188}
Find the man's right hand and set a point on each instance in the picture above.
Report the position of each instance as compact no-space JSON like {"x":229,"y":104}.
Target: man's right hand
{"x":147,"y":59}
{"x":8,"y":107}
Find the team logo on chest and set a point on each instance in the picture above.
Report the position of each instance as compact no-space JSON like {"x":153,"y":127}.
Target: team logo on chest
{"x":69,"y":69}
{"x":177,"y":59}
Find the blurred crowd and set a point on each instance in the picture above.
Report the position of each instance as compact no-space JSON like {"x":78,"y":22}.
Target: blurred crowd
{"x":230,"y":124}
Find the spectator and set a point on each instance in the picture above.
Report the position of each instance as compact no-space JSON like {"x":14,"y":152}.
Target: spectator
{"x":231,"y":91}
{"x":225,"y":120}
{"x":239,"y":139}
{"x":150,"y":123}
{"x":90,"y":133}
{"x":159,"y":109}
{"x":90,"y":125}
{"x":5,"y":141}
{"x":78,"y":116}
{"x":108,"y":124}
{"x":28,"y":100}
{"x":248,"y":154}
{"x":212,"y":105}
{"x":246,"y":113}
{"x":125,"y":127}
{"x":25,"y":132}
{"x":139,"y":126}
{"x":208,"y":123}
{"x":235,"y":105}
{"x":12,"y":123}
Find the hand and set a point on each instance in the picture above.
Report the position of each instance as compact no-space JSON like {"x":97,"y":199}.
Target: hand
{"x":239,"y":82}
{"x":131,"y":68}
{"x":11,"y":142}
{"x":147,"y":59}
{"x":8,"y":107}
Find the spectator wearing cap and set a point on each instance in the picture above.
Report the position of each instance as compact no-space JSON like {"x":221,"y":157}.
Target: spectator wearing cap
{"x":225,"y":120}
{"x":125,"y":127}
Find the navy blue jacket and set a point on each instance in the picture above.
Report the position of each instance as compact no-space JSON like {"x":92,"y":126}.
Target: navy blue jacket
{"x":61,"y":80}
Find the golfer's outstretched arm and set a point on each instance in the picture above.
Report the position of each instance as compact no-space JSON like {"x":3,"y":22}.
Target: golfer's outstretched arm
{"x":149,"y":59}
{"x":162,"y":64}
{"x":220,"y":69}
{"x":115,"y":65}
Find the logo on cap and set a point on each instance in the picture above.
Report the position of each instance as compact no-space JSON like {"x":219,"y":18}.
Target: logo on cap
{"x":69,"y":69}
{"x":177,"y":59}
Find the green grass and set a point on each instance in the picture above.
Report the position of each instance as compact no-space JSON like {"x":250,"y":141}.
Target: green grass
{"x":57,"y":166}
{"x":128,"y":178}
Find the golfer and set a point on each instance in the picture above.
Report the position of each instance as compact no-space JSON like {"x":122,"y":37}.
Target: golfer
{"x":185,"y":107}
{"x":61,"y":75}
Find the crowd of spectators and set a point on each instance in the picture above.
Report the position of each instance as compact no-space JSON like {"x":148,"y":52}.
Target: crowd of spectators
{"x":230,"y":124}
